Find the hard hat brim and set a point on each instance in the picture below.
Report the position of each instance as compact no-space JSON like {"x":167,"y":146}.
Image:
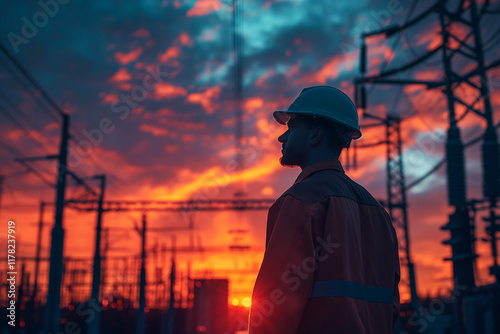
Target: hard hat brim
{"x":282,"y":117}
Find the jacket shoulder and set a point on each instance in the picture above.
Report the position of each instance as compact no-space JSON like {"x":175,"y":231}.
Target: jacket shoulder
{"x":330,"y":183}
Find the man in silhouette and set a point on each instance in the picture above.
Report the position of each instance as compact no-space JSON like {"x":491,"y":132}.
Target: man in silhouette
{"x":331,"y":262}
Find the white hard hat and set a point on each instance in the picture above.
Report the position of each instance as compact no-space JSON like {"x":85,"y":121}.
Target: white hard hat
{"x":327,"y":102}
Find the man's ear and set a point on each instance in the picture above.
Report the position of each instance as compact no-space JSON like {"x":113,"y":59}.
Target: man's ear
{"x":316,"y":135}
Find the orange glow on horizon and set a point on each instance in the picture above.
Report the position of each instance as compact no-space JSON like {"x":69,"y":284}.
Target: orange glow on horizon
{"x":183,"y":146}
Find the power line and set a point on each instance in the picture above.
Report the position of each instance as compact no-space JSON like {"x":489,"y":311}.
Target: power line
{"x":47,"y":98}
{"x":459,"y":221}
{"x":116,"y":181}
{"x":29,"y":90}
{"x":22,"y":127}
{"x":412,"y":50}
{"x":16,"y":153}
{"x":11,"y":149}
{"x":486,"y":43}
{"x":20,"y":112}
{"x":443,"y":161}
{"x":395,"y":42}
{"x":37,"y":173}
{"x":30,"y":78}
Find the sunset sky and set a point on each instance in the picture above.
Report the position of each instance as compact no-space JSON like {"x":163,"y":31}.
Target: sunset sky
{"x":149,"y":86}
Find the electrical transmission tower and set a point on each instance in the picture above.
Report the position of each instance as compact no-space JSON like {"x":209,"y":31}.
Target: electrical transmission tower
{"x":396,"y":190}
{"x":463,"y":64}
{"x":396,"y":196}
{"x":396,"y":202}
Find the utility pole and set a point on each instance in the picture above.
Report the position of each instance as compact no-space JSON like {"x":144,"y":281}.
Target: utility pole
{"x":52,"y":309}
{"x":31,"y":321}
{"x":104,"y":259}
{"x":96,"y":279}
{"x":38,"y":250}
{"x":169,"y":323}
{"x":141,"y":321}
{"x":171,"y":307}
{"x":52,"y":313}
{"x":22,"y":285}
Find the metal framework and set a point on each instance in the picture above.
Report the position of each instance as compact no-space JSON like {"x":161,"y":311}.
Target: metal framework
{"x":179,"y":206}
{"x":396,"y":202}
{"x":457,"y":52}
{"x":396,"y":196}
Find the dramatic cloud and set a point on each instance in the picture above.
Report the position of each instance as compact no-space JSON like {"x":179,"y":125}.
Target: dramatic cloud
{"x":161,"y":75}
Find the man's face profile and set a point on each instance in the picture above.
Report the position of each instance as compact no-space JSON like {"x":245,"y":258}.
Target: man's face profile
{"x":293,"y":142}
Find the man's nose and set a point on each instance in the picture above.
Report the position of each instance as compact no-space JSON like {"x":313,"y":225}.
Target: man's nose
{"x":282,"y":138}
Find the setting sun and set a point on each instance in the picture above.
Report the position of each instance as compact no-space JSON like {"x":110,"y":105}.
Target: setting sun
{"x":246,"y":302}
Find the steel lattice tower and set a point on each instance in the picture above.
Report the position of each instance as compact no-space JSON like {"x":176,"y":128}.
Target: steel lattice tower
{"x":396,"y":196}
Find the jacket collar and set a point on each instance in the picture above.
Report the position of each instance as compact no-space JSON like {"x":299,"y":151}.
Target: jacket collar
{"x":323,"y":164}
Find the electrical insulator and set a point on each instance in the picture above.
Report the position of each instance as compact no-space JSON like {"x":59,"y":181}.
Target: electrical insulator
{"x":455,"y":167}
{"x":461,"y":247}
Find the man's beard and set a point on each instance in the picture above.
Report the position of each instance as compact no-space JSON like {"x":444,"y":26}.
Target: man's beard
{"x":287,"y":163}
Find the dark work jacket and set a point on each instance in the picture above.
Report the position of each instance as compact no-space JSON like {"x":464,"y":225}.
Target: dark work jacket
{"x":331,"y":262}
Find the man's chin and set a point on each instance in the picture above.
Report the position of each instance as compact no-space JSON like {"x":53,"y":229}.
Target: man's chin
{"x":286,"y":163}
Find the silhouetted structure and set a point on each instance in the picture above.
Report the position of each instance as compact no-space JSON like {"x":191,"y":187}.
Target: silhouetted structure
{"x":210,"y":309}
{"x":468,"y":16}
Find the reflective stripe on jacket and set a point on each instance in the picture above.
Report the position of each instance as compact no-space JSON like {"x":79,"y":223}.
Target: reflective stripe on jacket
{"x":331,"y":262}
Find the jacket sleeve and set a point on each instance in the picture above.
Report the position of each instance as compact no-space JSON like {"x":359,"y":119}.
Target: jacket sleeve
{"x":287,"y":272}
